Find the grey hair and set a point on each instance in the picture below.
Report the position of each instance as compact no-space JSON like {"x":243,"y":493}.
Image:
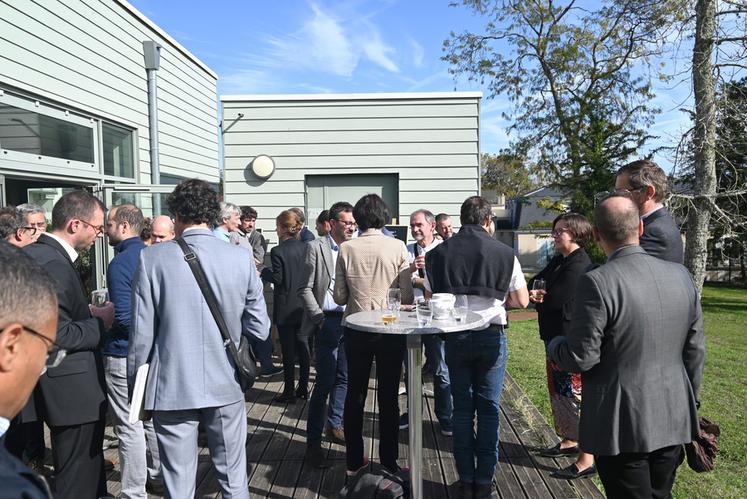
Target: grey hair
{"x":27,"y":292}
{"x":26,"y":209}
{"x":227,"y":210}
{"x":426,"y":213}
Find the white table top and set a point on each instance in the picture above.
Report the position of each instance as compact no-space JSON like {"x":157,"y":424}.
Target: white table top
{"x":370,"y":321}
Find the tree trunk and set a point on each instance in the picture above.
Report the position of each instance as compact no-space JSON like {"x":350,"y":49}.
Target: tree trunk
{"x":704,"y":141}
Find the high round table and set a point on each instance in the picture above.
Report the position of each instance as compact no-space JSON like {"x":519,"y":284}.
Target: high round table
{"x":370,"y":321}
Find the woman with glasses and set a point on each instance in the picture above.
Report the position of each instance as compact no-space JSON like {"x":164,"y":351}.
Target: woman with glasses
{"x":571,"y":232}
{"x":287,"y":275}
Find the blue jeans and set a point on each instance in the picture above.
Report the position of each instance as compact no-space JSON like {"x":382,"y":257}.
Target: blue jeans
{"x":477,"y":365}
{"x":434,"y":354}
{"x":331,"y":379}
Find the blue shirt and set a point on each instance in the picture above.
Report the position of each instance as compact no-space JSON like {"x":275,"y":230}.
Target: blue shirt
{"x":119,"y":281}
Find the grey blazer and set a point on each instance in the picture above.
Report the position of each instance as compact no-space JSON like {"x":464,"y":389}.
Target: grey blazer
{"x":190,"y":367}
{"x":320,"y":268}
{"x":637,"y":337}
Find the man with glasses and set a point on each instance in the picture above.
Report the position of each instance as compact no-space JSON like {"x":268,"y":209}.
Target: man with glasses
{"x":325,"y":315}
{"x":28,"y":329}
{"x":72,"y":397}
{"x":14,"y":229}
{"x":33,"y":216}
{"x":646,"y":184}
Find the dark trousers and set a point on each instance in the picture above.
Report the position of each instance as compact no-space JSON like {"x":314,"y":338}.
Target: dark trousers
{"x":79,"y":461}
{"x":25,"y":440}
{"x":389,"y":352}
{"x":294,"y":345}
{"x":639,"y":475}
{"x":263,"y":351}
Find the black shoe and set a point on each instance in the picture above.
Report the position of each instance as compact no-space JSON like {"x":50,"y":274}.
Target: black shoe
{"x":287,"y":398}
{"x":572,"y":472}
{"x":155,"y":487}
{"x":404,"y":421}
{"x":558,"y":452}
{"x":302,"y":394}
{"x":272,"y":371}
{"x":485,"y":491}
{"x":464,"y":490}
{"x":315,"y":456}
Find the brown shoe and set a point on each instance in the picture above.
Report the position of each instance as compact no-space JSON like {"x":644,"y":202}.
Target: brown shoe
{"x":108,"y":465}
{"x":336,"y":435}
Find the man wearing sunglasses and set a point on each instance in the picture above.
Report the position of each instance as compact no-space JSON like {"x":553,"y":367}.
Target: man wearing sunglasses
{"x":72,"y":396}
{"x":646,"y":184}
{"x":28,"y":329}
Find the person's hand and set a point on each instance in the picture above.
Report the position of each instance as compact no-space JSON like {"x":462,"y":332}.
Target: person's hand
{"x":419,"y":262}
{"x":537,"y":295}
{"x":105,"y":313}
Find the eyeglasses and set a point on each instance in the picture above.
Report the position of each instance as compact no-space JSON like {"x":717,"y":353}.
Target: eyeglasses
{"x":31,"y":228}
{"x":559,"y":232}
{"x":39,"y":225}
{"x":346,"y":224}
{"x":98,"y":228}
{"x":626,"y":193}
{"x":55,"y":354}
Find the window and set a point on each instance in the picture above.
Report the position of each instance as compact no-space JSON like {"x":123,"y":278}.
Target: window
{"x":118,"y":151}
{"x":26,"y":131}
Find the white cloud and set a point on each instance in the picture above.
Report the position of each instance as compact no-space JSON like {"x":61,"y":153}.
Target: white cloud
{"x":418,"y":54}
{"x":376,"y":50}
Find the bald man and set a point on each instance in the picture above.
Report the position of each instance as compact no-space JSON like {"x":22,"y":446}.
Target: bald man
{"x":162,"y":229}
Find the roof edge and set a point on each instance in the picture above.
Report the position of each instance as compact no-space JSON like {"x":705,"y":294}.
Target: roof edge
{"x":352,"y":96}
{"x":142,"y":18}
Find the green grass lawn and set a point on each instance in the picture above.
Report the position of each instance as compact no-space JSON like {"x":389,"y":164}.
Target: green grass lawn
{"x":723,"y":392}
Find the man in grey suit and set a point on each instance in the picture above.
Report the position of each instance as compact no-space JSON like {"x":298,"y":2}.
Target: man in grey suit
{"x":637,"y":337}
{"x":192,"y":379}
{"x":647,"y":185}
{"x":323,"y":313}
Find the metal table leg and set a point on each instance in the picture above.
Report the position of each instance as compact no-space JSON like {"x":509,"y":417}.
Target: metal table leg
{"x":415,"y":402}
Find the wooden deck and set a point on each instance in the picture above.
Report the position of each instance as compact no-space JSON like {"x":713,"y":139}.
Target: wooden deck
{"x":277,"y":440}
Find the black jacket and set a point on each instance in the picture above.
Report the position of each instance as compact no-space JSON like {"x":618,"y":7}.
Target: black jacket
{"x":17,"y":481}
{"x":561,"y":276}
{"x":288,"y":274}
{"x":661,"y":236}
{"x":74,"y":392}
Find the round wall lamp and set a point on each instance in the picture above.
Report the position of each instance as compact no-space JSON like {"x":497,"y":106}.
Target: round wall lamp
{"x":263,"y":166}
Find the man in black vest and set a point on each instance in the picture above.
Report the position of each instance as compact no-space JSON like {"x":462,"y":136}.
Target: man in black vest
{"x":647,"y":184}
{"x":474,"y":264}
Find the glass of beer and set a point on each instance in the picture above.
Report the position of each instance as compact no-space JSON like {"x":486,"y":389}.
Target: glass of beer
{"x":538,"y":290}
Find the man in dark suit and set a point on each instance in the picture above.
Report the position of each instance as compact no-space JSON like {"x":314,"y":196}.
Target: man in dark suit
{"x":647,"y":185}
{"x":637,"y":337}
{"x":28,"y":328}
{"x":72,"y":395}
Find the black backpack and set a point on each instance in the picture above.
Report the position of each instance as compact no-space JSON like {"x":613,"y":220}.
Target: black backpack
{"x":381,"y":485}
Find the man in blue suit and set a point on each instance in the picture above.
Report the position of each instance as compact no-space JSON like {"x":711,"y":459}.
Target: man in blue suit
{"x":192,"y":379}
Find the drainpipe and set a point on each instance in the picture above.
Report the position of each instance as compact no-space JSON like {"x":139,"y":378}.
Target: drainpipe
{"x":152,"y":55}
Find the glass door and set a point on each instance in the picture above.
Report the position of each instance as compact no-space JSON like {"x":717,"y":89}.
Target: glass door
{"x":151,"y":199}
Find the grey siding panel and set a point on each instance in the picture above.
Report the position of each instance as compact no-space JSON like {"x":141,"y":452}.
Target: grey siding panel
{"x":87,"y":55}
{"x":431,"y":144}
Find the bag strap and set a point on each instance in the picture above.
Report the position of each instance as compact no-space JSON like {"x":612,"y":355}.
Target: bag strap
{"x":212,"y":302}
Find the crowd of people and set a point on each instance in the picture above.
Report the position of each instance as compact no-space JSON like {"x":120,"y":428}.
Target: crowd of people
{"x":624,"y":340}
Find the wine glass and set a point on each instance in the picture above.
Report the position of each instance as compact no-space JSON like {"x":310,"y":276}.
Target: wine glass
{"x":461,"y":307}
{"x":538,"y":290}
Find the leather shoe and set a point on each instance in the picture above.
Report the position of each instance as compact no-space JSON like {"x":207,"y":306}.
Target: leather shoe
{"x":464,"y":490}
{"x":485,"y":491}
{"x":336,"y":435}
{"x":558,"y":452}
{"x":315,"y":456}
{"x":572,"y":472}
{"x":287,"y":398}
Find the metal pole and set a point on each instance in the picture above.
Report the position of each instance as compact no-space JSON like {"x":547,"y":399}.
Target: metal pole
{"x":415,"y":402}
{"x":151,"y":52}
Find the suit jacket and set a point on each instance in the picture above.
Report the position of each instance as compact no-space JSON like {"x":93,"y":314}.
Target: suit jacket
{"x":73,"y":392}
{"x":661,"y":236}
{"x":366,"y":268}
{"x":319,"y":268}
{"x":18,"y":481}
{"x":287,"y":275}
{"x":637,"y":336}
{"x":561,"y":276}
{"x":190,"y":368}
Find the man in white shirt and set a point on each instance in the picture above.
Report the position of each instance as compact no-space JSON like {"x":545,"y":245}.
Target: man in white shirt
{"x":474,"y":264}
{"x":422,"y":228}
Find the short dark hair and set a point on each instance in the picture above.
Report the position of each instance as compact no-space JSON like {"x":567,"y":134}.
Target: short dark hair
{"x":131,"y":214}
{"x":147,"y":231}
{"x":475,"y":210}
{"x":76,"y":204}
{"x":194,"y":201}
{"x":248,"y":212}
{"x":617,"y":226}
{"x":323,"y":216}
{"x":10,"y":221}
{"x":27,"y":292}
{"x":642,"y":173}
{"x":578,"y":227}
{"x":339,"y":207}
{"x":371,"y":212}
{"x":441,"y":217}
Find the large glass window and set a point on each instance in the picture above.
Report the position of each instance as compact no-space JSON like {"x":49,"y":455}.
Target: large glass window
{"x":118,"y":151}
{"x":30,"y":132}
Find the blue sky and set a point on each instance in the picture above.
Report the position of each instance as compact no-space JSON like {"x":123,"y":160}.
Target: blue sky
{"x":297,"y":46}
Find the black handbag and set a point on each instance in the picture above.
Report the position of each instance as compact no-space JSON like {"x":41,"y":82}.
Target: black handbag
{"x":243,"y":357}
